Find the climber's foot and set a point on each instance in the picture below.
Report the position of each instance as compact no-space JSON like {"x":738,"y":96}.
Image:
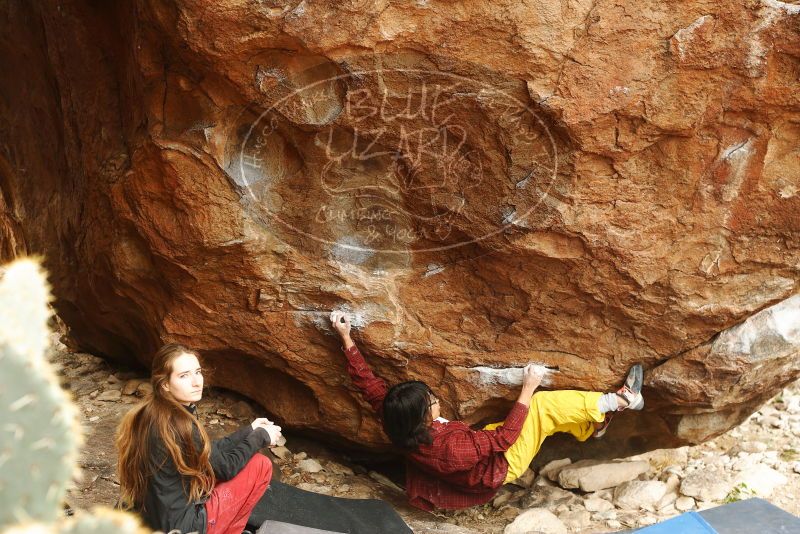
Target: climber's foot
{"x":601,"y":427}
{"x":630,"y":394}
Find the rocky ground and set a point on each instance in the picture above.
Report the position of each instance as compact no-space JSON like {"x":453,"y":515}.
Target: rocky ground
{"x":761,"y":457}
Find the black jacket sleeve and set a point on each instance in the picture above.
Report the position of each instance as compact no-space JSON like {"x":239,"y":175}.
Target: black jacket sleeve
{"x":234,"y":438}
{"x":228,"y":459}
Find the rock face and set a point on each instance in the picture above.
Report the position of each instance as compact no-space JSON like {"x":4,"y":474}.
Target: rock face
{"x":584,"y":186}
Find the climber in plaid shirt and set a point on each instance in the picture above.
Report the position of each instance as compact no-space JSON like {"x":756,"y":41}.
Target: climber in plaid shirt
{"x":451,"y":466}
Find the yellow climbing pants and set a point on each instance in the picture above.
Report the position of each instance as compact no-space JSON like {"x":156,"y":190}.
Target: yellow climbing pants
{"x":551,"y":412}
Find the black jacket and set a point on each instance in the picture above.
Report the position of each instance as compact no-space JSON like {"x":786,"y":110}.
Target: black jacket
{"x":166,"y":504}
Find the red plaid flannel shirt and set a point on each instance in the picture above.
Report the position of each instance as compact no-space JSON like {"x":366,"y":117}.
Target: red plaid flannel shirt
{"x":462,"y":467}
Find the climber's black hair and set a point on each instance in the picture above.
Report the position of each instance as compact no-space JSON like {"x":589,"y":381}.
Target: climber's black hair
{"x":406,"y":414}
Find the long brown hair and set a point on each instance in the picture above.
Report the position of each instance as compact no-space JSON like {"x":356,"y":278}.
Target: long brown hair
{"x":160,"y":412}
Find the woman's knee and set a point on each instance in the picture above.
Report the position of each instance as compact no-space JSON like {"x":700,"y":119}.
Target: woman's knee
{"x":262,"y":465}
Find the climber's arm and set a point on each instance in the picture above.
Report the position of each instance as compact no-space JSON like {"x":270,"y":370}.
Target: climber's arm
{"x":372,"y":388}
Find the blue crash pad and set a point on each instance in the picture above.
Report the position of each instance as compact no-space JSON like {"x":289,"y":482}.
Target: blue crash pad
{"x":752,"y":516}
{"x":688,"y":523}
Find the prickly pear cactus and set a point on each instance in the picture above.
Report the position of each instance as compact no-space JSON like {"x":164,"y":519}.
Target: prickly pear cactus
{"x":40,"y":436}
{"x":39,"y":433}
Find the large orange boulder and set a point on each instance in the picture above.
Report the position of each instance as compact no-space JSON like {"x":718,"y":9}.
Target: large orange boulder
{"x":585,"y":185}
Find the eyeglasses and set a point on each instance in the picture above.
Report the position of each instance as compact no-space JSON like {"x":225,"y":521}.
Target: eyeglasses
{"x":433,"y":401}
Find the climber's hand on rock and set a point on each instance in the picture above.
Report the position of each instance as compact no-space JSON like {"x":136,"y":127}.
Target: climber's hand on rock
{"x":341,"y":323}
{"x":531,"y":378}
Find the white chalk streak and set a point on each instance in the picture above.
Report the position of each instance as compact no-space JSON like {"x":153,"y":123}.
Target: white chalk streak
{"x":509,"y":376}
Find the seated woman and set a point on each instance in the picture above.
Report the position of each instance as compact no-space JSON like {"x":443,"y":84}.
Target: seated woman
{"x":451,"y":466}
{"x":168,"y":469}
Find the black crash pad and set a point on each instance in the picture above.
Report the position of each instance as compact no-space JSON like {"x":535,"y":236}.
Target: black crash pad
{"x":286,"y":505}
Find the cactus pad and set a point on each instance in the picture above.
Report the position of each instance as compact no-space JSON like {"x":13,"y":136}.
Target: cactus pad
{"x":39,"y":435}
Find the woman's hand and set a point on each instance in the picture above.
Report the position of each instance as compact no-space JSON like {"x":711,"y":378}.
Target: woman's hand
{"x":272,"y":429}
{"x":531,"y":378}
{"x":274,"y":432}
{"x":341,"y":323}
{"x":261,"y":421}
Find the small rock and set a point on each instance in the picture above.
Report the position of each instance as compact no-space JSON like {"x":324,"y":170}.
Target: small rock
{"x":109,"y":395}
{"x":753,"y":446}
{"x":214,"y":422}
{"x":309,"y":465}
{"x":112,"y":379}
{"x":537,"y":520}
{"x":509,"y":512}
{"x":383,"y":481}
{"x":596,"y":504}
{"x":661,"y":458}
{"x":668,"y":510}
{"x":704,"y":505}
{"x":242,"y":410}
{"x":607,"y":494}
{"x":673,"y":482}
{"x":576,"y":520}
{"x":771,"y":421}
{"x":796,"y":468}
{"x":548,"y":497}
{"x":315,"y":488}
{"x":684,"y":504}
{"x":673,"y":470}
{"x":362,"y":491}
{"x":526,"y":479}
{"x":639,"y":493}
{"x":281,"y":452}
{"x":131,"y":386}
{"x":338,"y":469}
{"x":593,"y":475}
{"x":300,"y":456}
{"x":94,"y":394}
{"x":502,"y":497}
{"x":667,"y":500}
{"x":746,"y":460}
{"x":646,"y":520}
{"x":144,"y":389}
{"x":614,"y":524}
{"x":673,"y":486}
{"x":760,"y":480}
{"x":608,"y":514}
{"x":94,"y":418}
{"x":552,"y":469}
{"x":706,"y":485}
